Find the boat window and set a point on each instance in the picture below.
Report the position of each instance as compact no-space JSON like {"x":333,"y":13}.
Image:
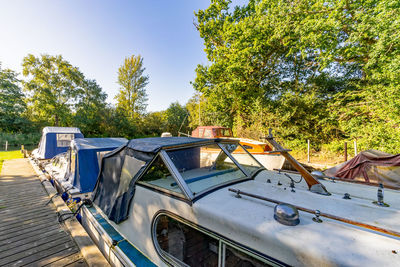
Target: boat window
{"x":247,"y":147}
{"x":183,"y":244}
{"x":243,"y":157}
{"x":225,"y":133}
{"x":64,"y":140}
{"x":158,"y":175}
{"x":201,"y":132}
{"x":129,"y":169}
{"x":204,"y":167}
{"x":208,"y":133}
{"x":235,"y":257}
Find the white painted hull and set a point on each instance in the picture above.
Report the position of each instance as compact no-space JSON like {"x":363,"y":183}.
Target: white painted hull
{"x":113,"y":254}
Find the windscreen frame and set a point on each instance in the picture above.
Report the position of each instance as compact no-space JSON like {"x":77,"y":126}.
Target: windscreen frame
{"x":184,"y":186}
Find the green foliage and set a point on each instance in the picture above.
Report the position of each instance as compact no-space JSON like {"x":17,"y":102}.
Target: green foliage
{"x":90,"y":109}
{"x":175,"y":118}
{"x":154,"y":123}
{"x":53,"y":85}
{"x":203,"y":115}
{"x":12,"y":105}
{"x":324,"y":71}
{"x":18,"y":139}
{"x":132,"y":95}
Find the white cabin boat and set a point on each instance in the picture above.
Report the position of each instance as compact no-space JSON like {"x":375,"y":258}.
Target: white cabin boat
{"x":160,"y":202}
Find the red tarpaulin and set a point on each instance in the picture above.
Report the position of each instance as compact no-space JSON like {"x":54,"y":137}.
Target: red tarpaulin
{"x":371,"y":166}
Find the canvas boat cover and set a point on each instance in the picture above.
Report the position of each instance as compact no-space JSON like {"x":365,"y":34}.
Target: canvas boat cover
{"x":121,"y":168}
{"x":56,"y":140}
{"x":371,"y":166}
{"x":86,"y":154}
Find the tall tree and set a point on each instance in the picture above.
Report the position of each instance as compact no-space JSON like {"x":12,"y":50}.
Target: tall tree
{"x":12,"y":105}
{"x":53,"y":85}
{"x":315,"y":69}
{"x":132,"y":94}
{"x":90,"y":109}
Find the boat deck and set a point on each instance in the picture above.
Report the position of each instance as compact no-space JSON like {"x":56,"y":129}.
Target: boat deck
{"x":30,"y":233}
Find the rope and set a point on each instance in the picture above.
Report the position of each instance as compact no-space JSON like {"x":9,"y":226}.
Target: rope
{"x":287,"y":175}
{"x":84,"y":202}
{"x":56,"y":194}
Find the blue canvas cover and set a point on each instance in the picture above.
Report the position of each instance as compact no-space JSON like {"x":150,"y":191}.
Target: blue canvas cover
{"x":155,"y":144}
{"x":87,"y":152}
{"x":56,"y":140}
{"x":115,"y":173}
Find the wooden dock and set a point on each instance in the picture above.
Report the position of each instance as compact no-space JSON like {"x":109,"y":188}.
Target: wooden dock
{"x":30,"y":233}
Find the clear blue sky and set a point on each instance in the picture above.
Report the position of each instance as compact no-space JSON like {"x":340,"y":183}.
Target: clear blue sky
{"x":96,"y":36}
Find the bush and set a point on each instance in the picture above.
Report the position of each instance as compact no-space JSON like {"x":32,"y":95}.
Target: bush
{"x":14,"y":140}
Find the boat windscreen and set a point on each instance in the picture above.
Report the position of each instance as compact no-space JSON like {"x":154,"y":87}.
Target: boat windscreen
{"x":243,"y":157}
{"x":205,"y":167}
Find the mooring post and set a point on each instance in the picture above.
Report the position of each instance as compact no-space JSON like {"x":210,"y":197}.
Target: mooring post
{"x":345,"y":151}
{"x":308,"y":150}
{"x":355,"y":148}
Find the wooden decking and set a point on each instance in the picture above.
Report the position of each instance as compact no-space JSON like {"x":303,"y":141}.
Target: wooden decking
{"x":29,"y":230}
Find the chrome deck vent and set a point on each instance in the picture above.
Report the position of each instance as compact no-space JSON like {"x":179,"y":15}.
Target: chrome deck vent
{"x":286,"y":214}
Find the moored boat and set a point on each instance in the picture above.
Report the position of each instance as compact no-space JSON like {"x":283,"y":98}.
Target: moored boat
{"x":76,"y":170}
{"x":260,"y":150}
{"x":54,"y":141}
{"x":162,"y":202}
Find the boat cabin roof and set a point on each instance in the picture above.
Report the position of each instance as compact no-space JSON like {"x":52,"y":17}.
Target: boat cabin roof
{"x":50,"y":129}
{"x":97,"y":143}
{"x":56,"y":140}
{"x":83,"y":165}
{"x":182,"y":167}
{"x":212,"y":132}
{"x":155,"y":144}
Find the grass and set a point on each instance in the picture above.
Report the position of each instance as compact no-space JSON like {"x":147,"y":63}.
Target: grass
{"x":4,"y":155}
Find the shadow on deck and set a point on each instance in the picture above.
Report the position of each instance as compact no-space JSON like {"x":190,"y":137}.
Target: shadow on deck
{"x":29,"y":230}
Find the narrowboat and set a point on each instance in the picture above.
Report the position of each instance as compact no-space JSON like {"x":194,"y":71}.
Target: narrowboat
{"x":163,"y":202}
{"x":261,"y":151}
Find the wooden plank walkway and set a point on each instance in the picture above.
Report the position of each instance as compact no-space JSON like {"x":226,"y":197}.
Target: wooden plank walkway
{"x":30,"y":234}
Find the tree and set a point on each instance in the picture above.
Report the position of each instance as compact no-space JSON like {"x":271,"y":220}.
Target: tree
{"x":90,"y":109}
{"x":154,"y":123}
{"x":206,"y":113}
{"x":314,"y":69}
{"x":53,"y":85}
{"x":132,"y":95}
{"x":12,"y":105}
{"x":176,"y":119}
{"x":116,"y":124}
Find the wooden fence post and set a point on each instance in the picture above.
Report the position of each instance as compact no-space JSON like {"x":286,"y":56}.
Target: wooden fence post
{"x":355,"y":148}
{"x":345,"y":151}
